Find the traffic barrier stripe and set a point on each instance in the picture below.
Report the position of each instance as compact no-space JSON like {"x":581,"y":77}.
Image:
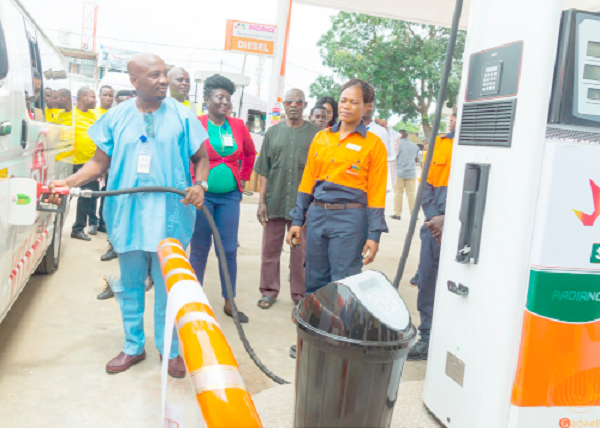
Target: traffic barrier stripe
{"x":216,"y":377}
{"x":183,"y":270}
{"x":195,"y":316}
{"x":170,"y":256}
{"x":169,"y":242}
{"x":220,"y":390}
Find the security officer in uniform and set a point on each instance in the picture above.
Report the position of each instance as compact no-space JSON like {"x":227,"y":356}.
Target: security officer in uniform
{"x":434,"y":207}
{"x":345,"y":179}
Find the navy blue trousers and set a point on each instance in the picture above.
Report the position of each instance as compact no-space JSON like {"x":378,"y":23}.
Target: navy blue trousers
{"x":427,"y":277}
{"x":225,"y":209}
{"x":334,"y":244}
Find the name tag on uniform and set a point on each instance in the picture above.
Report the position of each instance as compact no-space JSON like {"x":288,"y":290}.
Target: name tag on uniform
{"x":227,"y":140}
{"x":144,"y":162}
{"x":353,"y":147}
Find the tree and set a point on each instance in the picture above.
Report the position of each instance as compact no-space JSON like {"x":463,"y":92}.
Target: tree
{"x":409,"y":127}
{"x":325,"y":86}
{"x":403,"y":61}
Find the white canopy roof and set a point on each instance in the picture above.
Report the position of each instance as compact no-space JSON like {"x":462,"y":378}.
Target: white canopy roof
{"x":437,"y":12}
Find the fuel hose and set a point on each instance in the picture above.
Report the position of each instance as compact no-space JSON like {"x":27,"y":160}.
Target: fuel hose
{"x":220,"y":253}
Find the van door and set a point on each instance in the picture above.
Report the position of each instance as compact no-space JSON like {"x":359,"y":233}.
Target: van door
{"x":11,"y":97}
{"x":30,"y":150}
{"x":21,"y":80}
{"x":7,"y":119}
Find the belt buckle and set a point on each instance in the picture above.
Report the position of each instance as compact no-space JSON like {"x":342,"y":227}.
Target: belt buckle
{"x":325,"y":205}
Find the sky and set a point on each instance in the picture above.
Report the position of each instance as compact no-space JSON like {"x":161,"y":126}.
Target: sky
{"x":195,"y":33}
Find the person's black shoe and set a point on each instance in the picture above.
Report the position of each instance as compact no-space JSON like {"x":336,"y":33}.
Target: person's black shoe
{"x":242,"y":317}
{"x":106,"y":294}
{"x":80,"y":235}
{"x":93,"y":230}
{"x":109,"y":255}
{"x":414,"y":280}
{"x":396,"y":217}
{"x":419,"y":352}
{"x":102,"y":228}
{"x":293,"y":351}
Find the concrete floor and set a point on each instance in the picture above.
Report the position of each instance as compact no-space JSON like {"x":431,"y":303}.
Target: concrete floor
{"x":57,"y":338}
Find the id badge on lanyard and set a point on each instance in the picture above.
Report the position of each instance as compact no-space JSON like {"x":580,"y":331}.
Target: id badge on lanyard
{"x":144,"y":158}
{"x":227,"y":140}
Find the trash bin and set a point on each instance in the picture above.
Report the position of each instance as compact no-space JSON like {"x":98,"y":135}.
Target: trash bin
{"x":353,"y":337}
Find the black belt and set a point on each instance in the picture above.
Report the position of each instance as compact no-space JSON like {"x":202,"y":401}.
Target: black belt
{"x":344,"y":206}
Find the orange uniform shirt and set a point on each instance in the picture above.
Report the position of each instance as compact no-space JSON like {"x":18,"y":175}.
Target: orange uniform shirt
{"x":439,"y":171}
{"x":352,"y":170}
{"x":436,"y":191}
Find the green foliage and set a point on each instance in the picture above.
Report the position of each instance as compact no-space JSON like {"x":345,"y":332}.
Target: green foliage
{"x":403,"y":62}
{"x":409,"y":127}
{"x":325,"y":86}
{"x":443,"y":127}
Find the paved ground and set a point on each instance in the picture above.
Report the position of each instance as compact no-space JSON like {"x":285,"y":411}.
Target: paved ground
{"x":57,"y":338}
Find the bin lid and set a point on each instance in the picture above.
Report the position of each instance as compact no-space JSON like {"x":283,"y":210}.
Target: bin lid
{"x":361,"y":309}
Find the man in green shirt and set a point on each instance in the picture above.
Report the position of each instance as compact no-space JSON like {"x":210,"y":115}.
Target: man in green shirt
{"x":281,"y":163}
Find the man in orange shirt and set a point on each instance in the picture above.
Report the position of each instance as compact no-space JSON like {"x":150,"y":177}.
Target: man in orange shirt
{"x":434,"y":207}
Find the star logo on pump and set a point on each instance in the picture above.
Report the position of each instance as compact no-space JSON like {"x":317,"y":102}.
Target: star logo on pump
{"x":589,"y":219}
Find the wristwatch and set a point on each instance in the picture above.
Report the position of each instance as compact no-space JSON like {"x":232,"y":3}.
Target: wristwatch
{"x":204,"y":185}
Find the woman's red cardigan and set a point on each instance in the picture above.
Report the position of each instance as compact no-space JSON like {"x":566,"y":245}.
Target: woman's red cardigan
{"x":246,"y":152}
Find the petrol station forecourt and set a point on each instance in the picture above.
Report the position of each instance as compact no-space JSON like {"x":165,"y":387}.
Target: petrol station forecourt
{"x":515,"y":248}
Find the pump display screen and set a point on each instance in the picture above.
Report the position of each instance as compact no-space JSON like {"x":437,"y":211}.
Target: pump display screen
{"x":593,"y":49}
{"x":591,"y":72}
{"x":594,"y":94}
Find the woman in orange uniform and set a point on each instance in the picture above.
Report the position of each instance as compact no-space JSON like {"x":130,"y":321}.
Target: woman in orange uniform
{"x":345,"y":179}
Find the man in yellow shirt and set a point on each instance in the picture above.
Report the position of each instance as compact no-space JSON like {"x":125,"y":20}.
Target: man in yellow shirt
{"x":82,"y":152}
{"x":50,"y":110}
{"x":61,"y":99}
{"x":107,"y":98}
{"x":179,"y":86}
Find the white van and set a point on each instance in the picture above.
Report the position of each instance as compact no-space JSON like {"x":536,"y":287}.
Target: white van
{"x":31,"y":146}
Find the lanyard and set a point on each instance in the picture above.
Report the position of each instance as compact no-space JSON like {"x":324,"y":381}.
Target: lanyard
{"x":221,"y":137}
{"x":144,"y":141}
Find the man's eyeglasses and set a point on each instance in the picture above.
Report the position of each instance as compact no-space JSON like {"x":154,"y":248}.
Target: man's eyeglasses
{"x":296,"y":102}
{"x":149,"y":122}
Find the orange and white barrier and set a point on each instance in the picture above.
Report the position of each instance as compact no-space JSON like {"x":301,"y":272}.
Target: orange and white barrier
{"x":220,"y":390}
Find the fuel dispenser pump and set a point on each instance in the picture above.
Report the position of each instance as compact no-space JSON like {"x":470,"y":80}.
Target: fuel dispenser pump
{"x":516,"y":329}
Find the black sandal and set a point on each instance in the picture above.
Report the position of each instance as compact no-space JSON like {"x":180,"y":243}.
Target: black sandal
{"x":268,"y":302}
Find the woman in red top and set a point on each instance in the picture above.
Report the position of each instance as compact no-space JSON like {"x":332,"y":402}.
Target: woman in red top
{"x":228,"y":143}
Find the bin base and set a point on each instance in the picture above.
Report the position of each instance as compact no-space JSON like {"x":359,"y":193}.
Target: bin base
{"x":344,"y":386}
{"x":276,"y":407}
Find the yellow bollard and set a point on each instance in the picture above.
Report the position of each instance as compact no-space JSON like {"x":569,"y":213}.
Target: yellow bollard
{"x":214,"y":372}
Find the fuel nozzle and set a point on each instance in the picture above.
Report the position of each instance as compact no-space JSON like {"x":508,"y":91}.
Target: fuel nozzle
{"x":43,"y":192}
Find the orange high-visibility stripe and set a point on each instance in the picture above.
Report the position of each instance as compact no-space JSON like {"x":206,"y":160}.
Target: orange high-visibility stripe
{"x":214,"y":372}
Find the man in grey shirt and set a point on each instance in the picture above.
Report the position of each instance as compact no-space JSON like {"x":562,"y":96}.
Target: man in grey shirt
{"x":406,"y":171}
